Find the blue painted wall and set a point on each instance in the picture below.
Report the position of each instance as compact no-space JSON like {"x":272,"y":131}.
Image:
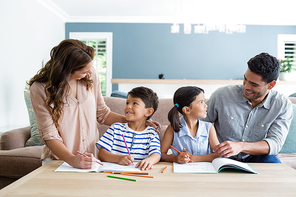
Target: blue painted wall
{"x":142,"y":51}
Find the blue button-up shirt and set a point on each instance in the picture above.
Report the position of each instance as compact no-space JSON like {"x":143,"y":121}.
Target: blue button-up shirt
{"x":197,"y":145}
{"x":236,"y":120}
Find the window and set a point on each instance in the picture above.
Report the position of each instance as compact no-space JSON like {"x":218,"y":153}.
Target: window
{"x":287,"y":47}
{"x":102,"y":43}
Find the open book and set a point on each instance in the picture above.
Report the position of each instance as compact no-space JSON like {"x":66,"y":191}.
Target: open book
{"x":65,"y":167}
{"x":215,"y":166}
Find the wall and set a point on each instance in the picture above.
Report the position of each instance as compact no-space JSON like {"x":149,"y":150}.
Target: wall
{"x":142,"y":51}
{"x":28,"y":32}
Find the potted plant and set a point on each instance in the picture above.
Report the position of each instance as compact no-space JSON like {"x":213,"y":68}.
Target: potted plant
{"x":285,"y":68}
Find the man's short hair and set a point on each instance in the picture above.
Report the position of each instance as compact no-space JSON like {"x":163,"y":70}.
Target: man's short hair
{"x":266,"y":66}
{"x":147,"y":95}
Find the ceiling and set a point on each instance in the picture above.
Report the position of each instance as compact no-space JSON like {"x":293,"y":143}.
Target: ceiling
{"x":251,"y":12}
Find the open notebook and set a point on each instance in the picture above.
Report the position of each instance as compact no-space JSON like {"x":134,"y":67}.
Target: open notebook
{"x":65,"y":167}
{"x":215,"y":166}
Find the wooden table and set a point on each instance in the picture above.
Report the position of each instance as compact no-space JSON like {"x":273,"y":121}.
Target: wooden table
{"x":271,"y":180}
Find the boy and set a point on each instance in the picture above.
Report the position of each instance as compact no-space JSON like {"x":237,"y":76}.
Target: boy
{"x":142,"y":141}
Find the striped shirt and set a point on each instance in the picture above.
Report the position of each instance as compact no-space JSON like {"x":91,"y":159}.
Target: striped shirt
{"x":141,"y":144}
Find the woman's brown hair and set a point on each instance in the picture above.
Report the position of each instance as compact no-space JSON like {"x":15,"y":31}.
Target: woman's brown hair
{"x":66,"y":58}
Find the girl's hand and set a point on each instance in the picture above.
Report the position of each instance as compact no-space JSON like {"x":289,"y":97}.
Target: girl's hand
{"x":154,"y":124}
{"x":145,"y":164}
{"x":183,"y":158}
{"x":125,"y":160}
{"x":185,"y":151}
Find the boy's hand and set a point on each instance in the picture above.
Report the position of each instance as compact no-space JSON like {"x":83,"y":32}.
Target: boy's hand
{"x":183,"y":158}
{"x":145,"y":164}
{"x":125,"y":160}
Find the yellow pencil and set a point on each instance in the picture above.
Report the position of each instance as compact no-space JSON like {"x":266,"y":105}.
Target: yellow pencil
{"x":164,"y":169}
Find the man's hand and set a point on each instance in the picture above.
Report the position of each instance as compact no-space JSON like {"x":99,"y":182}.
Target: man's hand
{"x":228,"y":148}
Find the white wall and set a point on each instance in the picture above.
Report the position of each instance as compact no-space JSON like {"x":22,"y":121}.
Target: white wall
{"x":28,"y":31}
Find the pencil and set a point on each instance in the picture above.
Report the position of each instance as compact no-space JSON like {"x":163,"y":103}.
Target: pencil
{"x":164,"y":169}
{"x":179,"y":152}
{"x":126,"y":146}
{"x":117,"y":177}
{"x":127,"y":172}
{"x":137,"y":175}
{"x":141,"y":173}
{"x":87,"y":156}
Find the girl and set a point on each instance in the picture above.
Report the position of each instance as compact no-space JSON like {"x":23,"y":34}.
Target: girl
{"x":194,"y":137}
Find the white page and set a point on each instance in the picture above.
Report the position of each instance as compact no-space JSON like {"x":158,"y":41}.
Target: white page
{"x":116,"y":167}
{"x":65,"y":167}
{"x":218,"y":162}
{"x":197,"y":167}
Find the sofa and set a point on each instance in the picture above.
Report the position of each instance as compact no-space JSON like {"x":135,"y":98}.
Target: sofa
{"x":17,"y":160}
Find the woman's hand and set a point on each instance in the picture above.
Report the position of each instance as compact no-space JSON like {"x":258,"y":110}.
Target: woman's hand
{"x":82,"y":162}
{"x":154,"y":124}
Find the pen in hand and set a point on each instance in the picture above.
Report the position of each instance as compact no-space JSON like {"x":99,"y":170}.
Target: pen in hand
{"x":126,"y":146}
{"x":180,"y":152}
{"x":87,"y":156}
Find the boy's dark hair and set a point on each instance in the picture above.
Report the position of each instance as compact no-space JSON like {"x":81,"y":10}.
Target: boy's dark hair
{"x":147,"y":95}
{"x":266,"y":66}
{"x":184,"y":96}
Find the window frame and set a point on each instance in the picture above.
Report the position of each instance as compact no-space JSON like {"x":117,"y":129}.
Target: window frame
{"x":282,"y":39}
{"x":108,"y":36}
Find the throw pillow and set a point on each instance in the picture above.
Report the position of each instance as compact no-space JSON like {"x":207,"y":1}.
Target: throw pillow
{"x":35,"y":139}
{"x":290,"y":143}
{"x":118,"y":94}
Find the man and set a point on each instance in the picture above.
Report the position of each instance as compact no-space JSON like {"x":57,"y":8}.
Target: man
{"x":252,"y":120}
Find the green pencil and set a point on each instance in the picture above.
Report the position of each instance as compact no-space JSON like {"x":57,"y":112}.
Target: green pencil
{"x":117,"y":177}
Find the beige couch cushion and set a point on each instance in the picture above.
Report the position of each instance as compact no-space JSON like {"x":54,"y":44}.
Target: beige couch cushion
{"x":20,"y":161}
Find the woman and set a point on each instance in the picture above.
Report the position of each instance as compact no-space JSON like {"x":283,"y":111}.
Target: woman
{"x":67,"y":102}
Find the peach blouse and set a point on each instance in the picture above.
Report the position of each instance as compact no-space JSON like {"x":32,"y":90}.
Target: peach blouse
{"x":78,"y":123}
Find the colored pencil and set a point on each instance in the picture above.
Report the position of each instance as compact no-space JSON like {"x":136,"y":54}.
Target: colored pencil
{"x":87,"y":156}
{"x":117,"y":177}
{"x":164,"y":169}
{"x":126,"y":146}
{"x":137,"y":175}
{"x":136,"y":172}
{"x":179,"y":152}
{"x":142,"y":173}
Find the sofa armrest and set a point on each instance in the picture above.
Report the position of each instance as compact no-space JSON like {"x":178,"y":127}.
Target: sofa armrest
{"x":15,"y":138}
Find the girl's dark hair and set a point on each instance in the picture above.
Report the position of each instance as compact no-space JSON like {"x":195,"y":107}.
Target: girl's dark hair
{"x":184,"y":96}
{"x":66,"y":58}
